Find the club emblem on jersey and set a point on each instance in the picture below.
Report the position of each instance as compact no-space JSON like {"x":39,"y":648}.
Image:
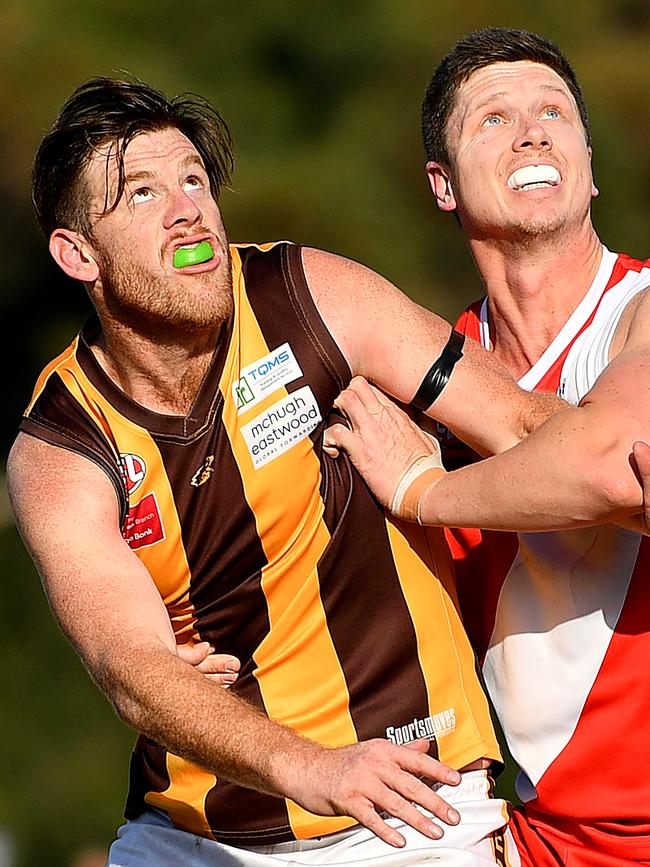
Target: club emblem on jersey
{"x":133,"y":469}
{"x":204,"y":472}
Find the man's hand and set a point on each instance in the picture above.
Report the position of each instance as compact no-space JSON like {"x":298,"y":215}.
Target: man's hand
{"x":218,"y":667}
{"x":382,"y":442}
{"x":369,"y":779}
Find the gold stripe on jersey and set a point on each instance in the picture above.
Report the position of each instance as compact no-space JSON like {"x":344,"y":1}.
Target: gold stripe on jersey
{"x":287,"y":655}
{"x":63,"y":358}
{"x":184,"y":798}
{"x":427,"y":580}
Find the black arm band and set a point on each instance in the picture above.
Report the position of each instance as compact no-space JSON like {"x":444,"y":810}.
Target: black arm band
{"x":437,"y":377}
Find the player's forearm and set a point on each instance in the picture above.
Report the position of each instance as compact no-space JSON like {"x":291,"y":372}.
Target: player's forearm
{"x":168,"y":701}
{"x":574,"y":471}
{"x":173,"y":704}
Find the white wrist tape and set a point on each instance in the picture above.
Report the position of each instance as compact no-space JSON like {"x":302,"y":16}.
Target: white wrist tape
{"x":417,"y":479}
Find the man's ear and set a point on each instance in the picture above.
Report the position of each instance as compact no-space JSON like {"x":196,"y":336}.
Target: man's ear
{"x":440,"y":183}
{"x":74,"y":255}
{"x":594,"y":188}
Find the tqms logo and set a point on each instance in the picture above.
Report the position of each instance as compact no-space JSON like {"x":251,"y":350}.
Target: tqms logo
{"x":133,"y":470}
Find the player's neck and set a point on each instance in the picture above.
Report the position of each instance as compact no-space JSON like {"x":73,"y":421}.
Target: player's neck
{"x":532,"y":291}
{"x":163,"y":376}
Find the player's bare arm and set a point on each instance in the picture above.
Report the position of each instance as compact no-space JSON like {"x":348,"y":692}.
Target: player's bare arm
{"x":392,"y":341}
{"x":109,"y":608}
{"x":577,"y":469}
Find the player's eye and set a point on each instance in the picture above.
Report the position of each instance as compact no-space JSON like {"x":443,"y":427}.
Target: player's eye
{"x":192,"y":183}
{"x":143,"y":194}
{"x":493,"y":120}
{"x":551,"y":113}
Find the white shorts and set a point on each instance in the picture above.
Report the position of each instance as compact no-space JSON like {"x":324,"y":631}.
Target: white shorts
{"x":479,"y":840}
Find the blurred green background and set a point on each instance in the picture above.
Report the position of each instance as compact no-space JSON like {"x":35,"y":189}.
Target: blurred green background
{"x":323,"y":101}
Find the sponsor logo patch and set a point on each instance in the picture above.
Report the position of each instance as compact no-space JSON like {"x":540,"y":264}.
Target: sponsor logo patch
{"x":430,"y":727}
{"x":280,"y":427}
{"x":143,"y":525}
{"x":133,"y":470}
{"x":265,"y":376}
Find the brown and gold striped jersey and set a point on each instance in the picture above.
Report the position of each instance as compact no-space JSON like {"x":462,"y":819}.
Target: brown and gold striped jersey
{"x":345,"y":620}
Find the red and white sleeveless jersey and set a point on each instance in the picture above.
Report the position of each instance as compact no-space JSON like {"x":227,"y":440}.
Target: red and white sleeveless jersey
{"x":561,"y":620}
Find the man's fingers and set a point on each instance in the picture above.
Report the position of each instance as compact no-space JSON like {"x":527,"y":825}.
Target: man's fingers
{"x":330,"y":450}
{"x":221,"y":668}
{"x":374,"y":781}
{"x":219,"y":663}
{"x":427,"y":766}
{"x":422,"y":745}
{"x":351,"y":405}
{"x":406,"y":782}
{"x":402,"y":808}
{"x":414,"y":791}
{"x":641,"y":453}
{"x":338,"y":437}
{"x":194,"y":654}
{"x":370,"y":818}
{"x":361,"y":400}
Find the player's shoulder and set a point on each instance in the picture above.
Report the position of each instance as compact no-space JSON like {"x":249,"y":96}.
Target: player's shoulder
{"x":62,"y":361}
{"x":638,"y":315}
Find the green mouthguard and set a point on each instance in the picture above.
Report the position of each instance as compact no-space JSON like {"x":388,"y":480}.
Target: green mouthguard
{"x":186,"y":256}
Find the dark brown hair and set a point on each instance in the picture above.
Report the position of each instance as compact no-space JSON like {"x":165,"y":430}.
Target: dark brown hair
{"x":474,"y":51}
{"x":108,"y":111}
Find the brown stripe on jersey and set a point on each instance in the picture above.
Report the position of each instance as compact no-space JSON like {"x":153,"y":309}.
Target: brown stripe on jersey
{"x":223,"y":549}
{"x":370,"y":595}
{"x":51,"y":417}
{"x":147,"y":773}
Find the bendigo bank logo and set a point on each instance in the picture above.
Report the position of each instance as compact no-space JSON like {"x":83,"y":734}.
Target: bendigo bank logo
{"x":143,"y":524}
{"x":133,"y":470}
